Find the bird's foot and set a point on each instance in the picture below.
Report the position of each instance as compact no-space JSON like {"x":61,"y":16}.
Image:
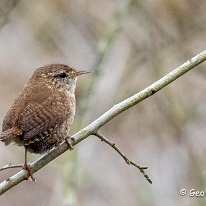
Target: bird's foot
{"x":27,"y":167}
{"x":70,"y":142}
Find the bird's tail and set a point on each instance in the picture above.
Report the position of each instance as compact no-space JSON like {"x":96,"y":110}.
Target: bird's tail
{"x":10,"y":134}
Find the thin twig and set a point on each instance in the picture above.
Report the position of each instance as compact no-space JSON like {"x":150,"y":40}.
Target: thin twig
{"x":105,"y":118}
{"x":129,"y":162}
{"x":10,"y":166}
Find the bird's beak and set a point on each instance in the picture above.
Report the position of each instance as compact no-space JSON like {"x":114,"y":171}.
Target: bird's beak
{"x":78,"y":73}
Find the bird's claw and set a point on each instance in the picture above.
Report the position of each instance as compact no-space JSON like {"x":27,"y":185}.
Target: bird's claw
{"x":28,"y":169}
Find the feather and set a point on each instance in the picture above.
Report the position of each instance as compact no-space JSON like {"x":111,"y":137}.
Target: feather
{"x":10,"y":134}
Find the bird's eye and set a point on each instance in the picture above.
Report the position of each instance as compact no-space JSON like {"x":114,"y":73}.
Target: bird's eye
{"x":61,"y":75}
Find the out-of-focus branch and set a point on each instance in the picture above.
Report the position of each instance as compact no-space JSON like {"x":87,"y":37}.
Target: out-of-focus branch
{"x":105,"y":44}
{"x":129,"y":162}
{"x":5,"y":9}
{"x":102,"y":120}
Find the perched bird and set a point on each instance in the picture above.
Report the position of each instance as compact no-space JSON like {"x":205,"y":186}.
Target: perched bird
{"x":41,"y":115}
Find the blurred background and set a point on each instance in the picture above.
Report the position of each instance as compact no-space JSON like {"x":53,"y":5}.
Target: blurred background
{"x":128,"y":44}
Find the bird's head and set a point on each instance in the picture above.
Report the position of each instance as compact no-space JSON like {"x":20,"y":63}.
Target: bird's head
{"x":59,"y":75}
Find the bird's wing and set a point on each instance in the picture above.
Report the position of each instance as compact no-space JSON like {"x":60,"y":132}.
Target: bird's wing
{"x":39,"y":118}
{"x":30,"y":93}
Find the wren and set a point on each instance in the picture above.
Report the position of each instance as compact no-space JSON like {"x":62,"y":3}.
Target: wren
{"x":41,"y":116}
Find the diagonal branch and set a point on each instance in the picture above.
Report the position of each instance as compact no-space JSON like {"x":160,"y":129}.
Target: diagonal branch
{"x":129,"y":162}
{"x":102,"y":120}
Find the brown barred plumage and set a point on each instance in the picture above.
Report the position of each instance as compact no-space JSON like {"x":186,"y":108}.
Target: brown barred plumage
{"x":41,"y":115}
